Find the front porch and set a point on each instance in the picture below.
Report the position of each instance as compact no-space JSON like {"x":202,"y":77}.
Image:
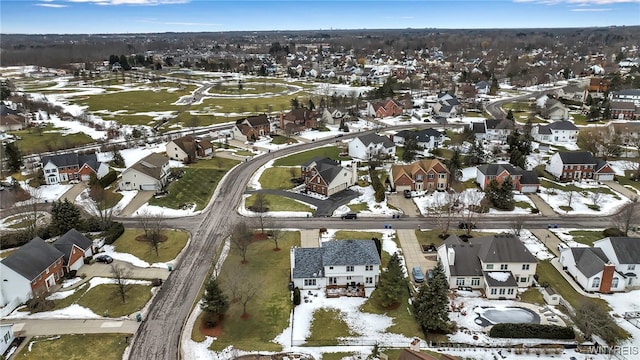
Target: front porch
{"x":334,"y":291}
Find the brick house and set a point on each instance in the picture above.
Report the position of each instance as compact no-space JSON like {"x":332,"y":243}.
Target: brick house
{"x":251,"y":128}
{"x":72,"y":166}
{"x":624,"y":110}
{"x":387,"y":108}
{"x":75,"y":247}
{"x":524,"y":181}
{"x":188,"y":149}
{"x":578,"y":165}
{"x":298,"y":120}
{"x":422,"y":175}
{"x":326,"y":177}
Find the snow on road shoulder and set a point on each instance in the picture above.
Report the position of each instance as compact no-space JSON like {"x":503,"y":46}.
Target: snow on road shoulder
{"x":132,"y":259}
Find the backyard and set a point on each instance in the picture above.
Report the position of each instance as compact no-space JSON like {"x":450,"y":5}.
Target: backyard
{"x":76,"y":347}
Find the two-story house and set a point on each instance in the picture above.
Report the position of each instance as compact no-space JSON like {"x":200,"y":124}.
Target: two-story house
{"x":333,"y":116}
{"x":427,"y":139}
{"x":31,"y":270}
{"x":523,"y":181}
{"x":150,"y":173}
{"x":421,"y":175}
{"x":447,"y":105}
{"x":298,"y":120}
{"x":556,"y":132}
{"x":369,"y":146}
{"x":624,"y":110}
{"x":498,"y":264}
{"x":492,"y":129}
{"x":591,"y":269}
{"x":75,"y":247}
{"x":387,"y":108}
{"x":251,"y":128}
{"x":188,"y":149}
{"x":341,"y":267}
{"x":72,"y":166}
{"x":326,"y":177}
{"x":624,"y":253}
{"x":627,"y":131}
{"x":578,"y":165}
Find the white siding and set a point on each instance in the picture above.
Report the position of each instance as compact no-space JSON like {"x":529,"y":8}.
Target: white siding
{"x":13,"y":286}
{"x":554,"y":167}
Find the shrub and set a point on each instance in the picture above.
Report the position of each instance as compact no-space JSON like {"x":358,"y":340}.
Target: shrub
{"x":113,"y":232}
{"x":612,"y":232}
{"x":108,"y":179}
{"x":536,"y":331}
{"x":71,"y":274}
{"x":40,"y":303}
{"x":156,"y":282}
{"x":296,"y":296}
{"x":211,"y":319}
{"x":535,"y":210}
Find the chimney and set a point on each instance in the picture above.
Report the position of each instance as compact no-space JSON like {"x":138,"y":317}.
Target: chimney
{"x":607,"y":278}
{"x":451,"y":256}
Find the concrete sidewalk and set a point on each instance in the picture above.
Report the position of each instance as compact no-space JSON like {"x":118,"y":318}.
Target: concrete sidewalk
{"x":37,"y":327}
{"x":556,"y":264}
{"x":413,"y":255}
{"x":545,"y":209}
{"x":104,"y":270}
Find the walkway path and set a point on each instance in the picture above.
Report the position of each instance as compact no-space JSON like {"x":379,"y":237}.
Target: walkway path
{"x":413,"y":255}
{"x":36,"y":327}
{"x":104,"y":270}
{"x":622,"y":189}
{"x":556,"y":264}
{"x":541,"y":205}
{"x":548,"y":238}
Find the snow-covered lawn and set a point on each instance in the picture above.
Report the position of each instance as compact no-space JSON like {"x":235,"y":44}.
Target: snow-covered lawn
{"x":242,"y":210}
{"x":621,"y":303}
{"x":580,"y":201}
{"x":535,"y":245}
{"x":133,"y":260}
{"x":367,"y":197}
{"x":563,"y":234}
{"x":436,"y":199}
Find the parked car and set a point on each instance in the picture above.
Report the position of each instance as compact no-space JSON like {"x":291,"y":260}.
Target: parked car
{"x":350,"y":216}
{"x":407,"y":194}
{"x":418,"y":276}
{"x":104,"y":259}
{"x":73,"y":182}
{"x":466,"y":225}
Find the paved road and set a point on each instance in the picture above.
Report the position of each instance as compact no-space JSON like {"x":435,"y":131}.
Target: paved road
{"x":324,"y":208}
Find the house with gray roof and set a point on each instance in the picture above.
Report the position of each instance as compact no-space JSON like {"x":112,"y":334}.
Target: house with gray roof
{"x":556,"y":132}
{"x":492,"y":129}
{"x":368,"y":146}
{"x":591,"y":269}
{"x":524,"y":181}
{"x":326,"y":177}
{"x":149,"y":173}
{"x":75,"y":247}
{"x":624,"y":253}
{"x":341,"y":267}
{"x":578,"y":165}
{"x":497,"y":264}
{"x":33,"y":269}
{"x":72,"y":166}
{"x":427,"y":139}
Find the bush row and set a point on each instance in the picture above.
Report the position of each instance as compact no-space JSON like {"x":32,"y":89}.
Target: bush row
{"x":535,"y":331}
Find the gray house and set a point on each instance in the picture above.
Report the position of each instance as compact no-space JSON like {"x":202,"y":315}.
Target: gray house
{"x":150,"y":173}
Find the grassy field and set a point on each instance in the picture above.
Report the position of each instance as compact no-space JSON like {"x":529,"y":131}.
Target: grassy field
{"x":403,"y":320}
{"x":76,"y":347}
{"x":331,"y":152}
{"x":363,"y":235}
{"x":167,"y":250}
{"x":279,"y":140}
{"x":625,"y":180}
{"x":280,"y":203}
{"x":251,"y":105}
{"x":269,"y":312}
{"x":522,"y":205}
{"x":135,"y":101}
{"x":532,"y":296}
{"x":197,"y":185}
{"x":586,"y":237}
{"x":426,"y":237}
{"x":49,"y":139}
{"x":356,"y":208}
{"x":278,"y":178}
{"x":326,"y":327}
{"x":104,"y":297}
{"x":570,"y":187}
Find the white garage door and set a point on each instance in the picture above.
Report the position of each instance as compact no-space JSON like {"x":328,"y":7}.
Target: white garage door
{"x":605,"y":177}
{"x":85,"y":177}
{"x":77,"y":265}
{"x":529,"y":189}
{"x":148,"y":187}
{"x":401,"y":188}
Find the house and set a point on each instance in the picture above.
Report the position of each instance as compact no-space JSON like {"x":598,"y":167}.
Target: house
{"x":447,"y":105}
{"x":624,"y":253}
{"x":368,"y":146}
{"x":591,"y":269}
{"x":150,"y":173}
{"x":492,"y":129}
{"x":599,"y":84}
{"x":624,"y":110}
{"x":72,"y":166}
{"x":552,"y":108}
{"x":33,"y":269}
{"x":75,"y":247}
{"x":499,"y":264}
{"x":6,"y":337}
{"x":578,"y":165}
{"x":387,"y":108}
{"x":337,"y":265}
{"x":524,"y":181}
{"x":556,"y":132}
{"x":627,"y":95}
{"x":483,"y":87}
{"x":629,"y":132}
{"x":188,"y":149}
{"x":333,"y":116}
{"x":251,"y":128}
{"x":421,"y":175}
{"x":326,"y":177}
{"x":10,"y":119}
{"x":298,"y":120}
{"x":427,"y":139}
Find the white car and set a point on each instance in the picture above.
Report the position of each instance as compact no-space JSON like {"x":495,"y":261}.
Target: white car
{"x":74,"y":182}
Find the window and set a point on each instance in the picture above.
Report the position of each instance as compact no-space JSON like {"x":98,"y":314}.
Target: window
{"x":419,"y":177}
{"x":631,"y":267}
{"x":502,"y":291}
{"x":475,"y":282}
{"x":368,"y":267}
{"x":350,"y":268}
{"x":504,"y":266}
{"x":430,"y":176}
{"x":330,"y":267}
{"x":7,"y":336}
{"x":510,"y":291}
{"x":614,"y":282}
{"x":348,"y":277}
{"x":493,"y":291}
{"x":523,"y":279}
{"x":489,"y":266}
{"x":309,"y":282}
{"x":368,"y":280}
{"x":442,"y":176}
{"x":460,"y":282}
{"x":525,"y":266}
{"x":596,"y":282}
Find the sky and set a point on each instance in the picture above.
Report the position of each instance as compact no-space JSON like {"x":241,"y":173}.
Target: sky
{"x":146,"y":16}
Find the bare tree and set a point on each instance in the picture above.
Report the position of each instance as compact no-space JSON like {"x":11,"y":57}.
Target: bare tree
{"x":275,"y":233}
{"x":232,"y":281}
{"x":241,"y":237}
{"x":627,"y":216}
{"x":100,"y":204}
{"x":569,"y":195}
{"x":473,"y":207}
{"x":121,"y":277}
{"x":517,"y":224}
{"x":144,"y":219}
{"x":248,"y":290}
{"x":154,"y":236}
{"x":595,"y":196}
{"x":443,"y":209}
{"x":261,"y":206}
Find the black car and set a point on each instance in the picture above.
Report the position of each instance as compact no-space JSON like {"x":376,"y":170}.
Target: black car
{"x":104,"y":259}
{"x":466,"y":225}
{"x":350,"y":216}
{"x":407,"y":194}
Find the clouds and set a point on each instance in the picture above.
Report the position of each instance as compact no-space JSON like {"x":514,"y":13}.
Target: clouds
{"x":581,"y":5}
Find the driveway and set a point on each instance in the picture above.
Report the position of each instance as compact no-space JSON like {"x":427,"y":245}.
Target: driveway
{"x":413,"y":255}
{"x":325,"y":208}
{"x":73,"y":193}
{"x":407,"y":206}
{"x":37,"y":327}
{"x":629,"y":193}
{"x":545,"y":209}
{"x":141,"y":198}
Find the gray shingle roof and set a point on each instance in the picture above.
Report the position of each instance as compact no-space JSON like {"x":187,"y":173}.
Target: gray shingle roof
{"x":526,"y":177}
{"x":478,"y":128}
{"x":589,"y":261}
{"x":502,"y":248}
{"x":327,"y":169}
{"x":466,"y":261}
{"x":423,"y":135}
{"x":32,"y":258}
{"x":151,"y":165}
{"x":72,"y":237}
{"x":562,"y":125}
{"x":72,"y":159}
{"x":310,"y":262}
{"x":576,"y":157}
{"x":627,"y":249}
{"x":376,"y":139}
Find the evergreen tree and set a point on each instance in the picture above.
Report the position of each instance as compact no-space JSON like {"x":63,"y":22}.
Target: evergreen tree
{"x":214,"y":302}
{"x":14,"y":157}
{"x":517,"y":159}
{"x":505,"y":200}
{"x":392,"y":283}
{"x":476,"y":154}
{"x":64,"y":217}
{"x":493,"y":90}
{"x":410,"y":149}
{"x":455,"y":164}
{"x":510,"y":115}
{"x":432,"y":303}
{"x":492,"y":191}
{"x":118,"y":160}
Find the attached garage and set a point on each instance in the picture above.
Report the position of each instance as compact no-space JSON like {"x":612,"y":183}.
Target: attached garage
{"x":604,"y":177}
{"x":149,"y":187}
{"x":75,"y":247}
{"x":529,"y":189}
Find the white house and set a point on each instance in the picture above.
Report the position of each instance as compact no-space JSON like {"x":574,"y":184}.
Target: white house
{"x":188,"y":149}
{"x":72,"y":166}
{"x":368,"y":146}
{"x":150,"y":173}
{"x":624,"y":253}
{"x":498,"y":264}
{"x":492,"y":129}
{"x":556,"y":132}
{"x":591,"y":269}
{"x":339,"y":266}
{"x":427,"y":139}
{"x":6,"y":337}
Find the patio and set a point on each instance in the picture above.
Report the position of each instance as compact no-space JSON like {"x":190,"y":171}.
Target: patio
{"x":334,"y":291}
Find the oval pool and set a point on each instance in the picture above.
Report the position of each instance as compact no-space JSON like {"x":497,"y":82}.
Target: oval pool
{"x":512,"y":315}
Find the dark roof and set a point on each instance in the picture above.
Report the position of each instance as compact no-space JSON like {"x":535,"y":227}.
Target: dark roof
{"x":496,"y":124}
{"x":526,"y":177}
{"x":5,"y":110}
{"x":32,"y":258}
{"x":421,"y":135}
{"x":151,"y":165}
{"x":627,"y":249}
{"x":466,"y":261}
{"x":562,"y":125}
{"x":576,"y":157}
{"x":529,"y":178}
{"x":327,"y":169}
{"x":510,"y":282}
{"x":309,"y":262}
{"x":90,"y":160}
{"x":502,"y":248}
{"x":544,"y":129}
{"x":478,"y":128}
{"x":376,"y":139}
{"x":254,"y":120}
{"x":72,"y":237}
{"x":62,"y":159}
{"x":589,"y":260}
